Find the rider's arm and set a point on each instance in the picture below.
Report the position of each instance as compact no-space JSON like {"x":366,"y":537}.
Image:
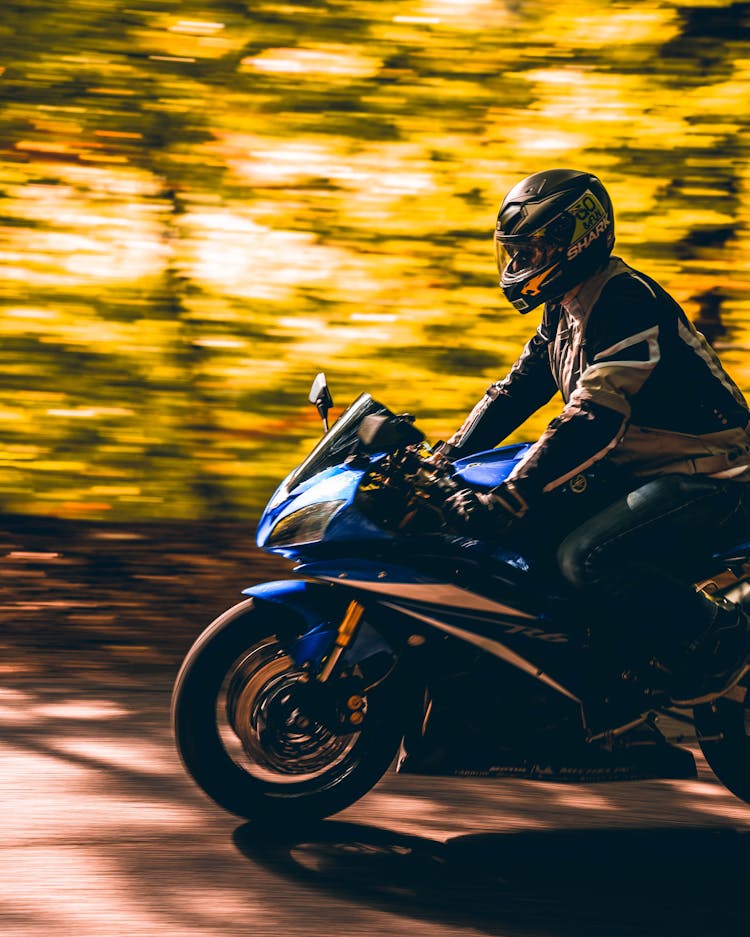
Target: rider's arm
{"x":623,"y":348}
{"x":508,"y":403}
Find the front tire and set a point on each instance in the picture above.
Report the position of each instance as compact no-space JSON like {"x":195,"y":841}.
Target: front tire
{"x":246,"y":743}
{"x":724,"y":736}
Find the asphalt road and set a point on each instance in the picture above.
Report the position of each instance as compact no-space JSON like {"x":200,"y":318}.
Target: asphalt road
{"x":103,"y":834}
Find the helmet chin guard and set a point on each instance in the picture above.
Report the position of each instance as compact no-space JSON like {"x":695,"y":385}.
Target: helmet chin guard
{"x":554,"y":230}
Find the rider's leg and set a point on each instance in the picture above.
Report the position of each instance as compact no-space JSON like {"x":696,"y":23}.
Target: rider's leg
{"x":635,"y":562}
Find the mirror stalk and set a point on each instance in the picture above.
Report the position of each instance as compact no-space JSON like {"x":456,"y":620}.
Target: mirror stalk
{"x":321,"y":397}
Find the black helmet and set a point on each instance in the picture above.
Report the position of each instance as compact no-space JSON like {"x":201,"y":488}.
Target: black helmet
{"x":554,"y":229}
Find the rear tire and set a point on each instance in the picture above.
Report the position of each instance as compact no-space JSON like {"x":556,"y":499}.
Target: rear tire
{"x":250,"y":748}
{"x":724,"y":736}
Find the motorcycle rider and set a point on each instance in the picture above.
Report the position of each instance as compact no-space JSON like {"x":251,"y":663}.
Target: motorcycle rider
{"x":644,"y":394}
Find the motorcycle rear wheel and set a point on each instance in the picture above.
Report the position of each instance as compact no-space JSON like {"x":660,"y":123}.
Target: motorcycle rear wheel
{"x":247,"y":744}
{"x":724,"y":736}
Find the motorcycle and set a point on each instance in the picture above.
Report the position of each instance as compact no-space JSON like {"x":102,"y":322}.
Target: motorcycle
{"x":399,"y":642}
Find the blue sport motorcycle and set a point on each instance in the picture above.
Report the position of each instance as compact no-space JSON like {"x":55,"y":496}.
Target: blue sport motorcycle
{"x":401,"y":643}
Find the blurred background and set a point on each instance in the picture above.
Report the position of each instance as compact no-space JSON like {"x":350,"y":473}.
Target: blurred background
{"x":205,"y":202}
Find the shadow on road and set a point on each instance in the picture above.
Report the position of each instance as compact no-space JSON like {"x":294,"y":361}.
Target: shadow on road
{"x":572,"y":883}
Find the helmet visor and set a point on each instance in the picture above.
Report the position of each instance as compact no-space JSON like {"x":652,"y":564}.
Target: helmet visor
{"x":518,"y":258}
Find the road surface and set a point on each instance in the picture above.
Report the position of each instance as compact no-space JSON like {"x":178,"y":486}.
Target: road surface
{"x":103,"y":835}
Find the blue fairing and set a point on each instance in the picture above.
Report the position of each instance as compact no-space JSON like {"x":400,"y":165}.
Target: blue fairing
{"x":737,"y":553}
{"x":321,"y":609}
{"x":490,"y":468}
{"x":315,"y":603}
{"x":337,"y":486}
{"x":338,"y":483}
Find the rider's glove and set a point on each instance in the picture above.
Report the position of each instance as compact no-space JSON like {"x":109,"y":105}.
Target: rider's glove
{"x":441,"y":453}
{"x":483,"y":514}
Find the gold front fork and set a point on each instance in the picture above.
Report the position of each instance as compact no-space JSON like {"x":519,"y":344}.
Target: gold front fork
{"x":344,"y":636}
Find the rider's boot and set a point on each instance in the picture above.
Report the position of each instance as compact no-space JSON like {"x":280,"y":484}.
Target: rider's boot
{"x":714,"y":661}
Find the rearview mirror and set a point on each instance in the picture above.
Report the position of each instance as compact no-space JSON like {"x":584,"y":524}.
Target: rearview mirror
{"x":321,"y":397}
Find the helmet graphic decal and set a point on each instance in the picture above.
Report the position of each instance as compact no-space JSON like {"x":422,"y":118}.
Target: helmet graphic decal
{"x":534,"y":286}
{"x":591,"y":221}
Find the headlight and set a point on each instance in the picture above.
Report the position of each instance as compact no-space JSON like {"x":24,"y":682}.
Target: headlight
{"x":304,"y":526}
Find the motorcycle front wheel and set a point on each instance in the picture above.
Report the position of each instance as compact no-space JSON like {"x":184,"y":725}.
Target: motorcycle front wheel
{"x":248,"y":744}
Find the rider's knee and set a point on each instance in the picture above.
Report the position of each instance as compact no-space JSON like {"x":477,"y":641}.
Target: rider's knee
{"x":577,"y":562}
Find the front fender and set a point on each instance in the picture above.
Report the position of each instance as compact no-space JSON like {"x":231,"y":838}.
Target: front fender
{"x":314,"y":602}
{"x":321,"y":607}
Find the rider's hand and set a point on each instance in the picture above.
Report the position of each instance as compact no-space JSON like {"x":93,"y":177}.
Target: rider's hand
{"x":483,"y":513}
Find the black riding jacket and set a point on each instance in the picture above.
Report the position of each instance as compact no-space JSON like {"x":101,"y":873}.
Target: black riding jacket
{"x":641,"y":388}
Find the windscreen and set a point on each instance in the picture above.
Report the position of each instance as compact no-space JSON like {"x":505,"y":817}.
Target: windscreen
{"x":338,"y":442}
